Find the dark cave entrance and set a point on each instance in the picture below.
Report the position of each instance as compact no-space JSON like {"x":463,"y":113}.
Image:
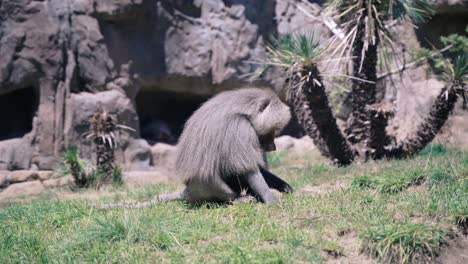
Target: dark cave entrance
{"x":163,"y":114}
{"x":17,"y":110}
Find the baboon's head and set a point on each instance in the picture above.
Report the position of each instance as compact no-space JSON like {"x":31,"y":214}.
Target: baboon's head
{"x":271,"y":117}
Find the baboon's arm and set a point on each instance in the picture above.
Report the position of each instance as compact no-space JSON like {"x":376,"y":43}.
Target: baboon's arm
{"x":175,"y":196}
{"x":259,"y":187}
{"x":275,"y":182}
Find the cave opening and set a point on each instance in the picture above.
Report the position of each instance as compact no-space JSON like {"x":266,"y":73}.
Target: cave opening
{"x":163,"y":114}
{"x":17,"y":110}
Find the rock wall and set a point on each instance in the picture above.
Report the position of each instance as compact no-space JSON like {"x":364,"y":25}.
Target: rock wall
{"x":70,"y":57}
{"x":82,"y":54}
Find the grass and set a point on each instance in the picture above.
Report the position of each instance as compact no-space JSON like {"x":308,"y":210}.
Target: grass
{"x":399,"y":242}
{"x":392,"y":211}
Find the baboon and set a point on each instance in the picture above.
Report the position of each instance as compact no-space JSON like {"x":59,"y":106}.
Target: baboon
{"x":220,"y":151}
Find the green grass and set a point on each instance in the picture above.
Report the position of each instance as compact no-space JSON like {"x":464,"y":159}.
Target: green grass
{"x":399,"y":242}
{"x":434,"y":150}
{"x":392,"y":211}
{"x":391,"y":181}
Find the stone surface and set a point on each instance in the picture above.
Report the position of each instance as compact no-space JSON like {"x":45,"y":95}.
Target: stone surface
{"x":164,"y":156}
{"x":303,"y":144}
{"x":22,"y":189}
{"x":22,"y":176}
{"x":15,"y":153}
{"x":59,"y":182}
{"x":138,"y":155}
{"x":70,"y":50}
{"x":142,"y":178}
{"x":44,"y":175}
{"x":4,"y":178}
{"x":284,"y":142}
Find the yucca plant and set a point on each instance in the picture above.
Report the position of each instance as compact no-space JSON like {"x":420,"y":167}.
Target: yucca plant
{"x":366,"y":27}
{"x":455,"y":75}
{"x":298,"y":55}
{"x":102,"y":133}
{"x":365,"y":24}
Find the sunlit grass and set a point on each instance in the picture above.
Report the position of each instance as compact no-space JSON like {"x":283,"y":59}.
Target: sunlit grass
{"x":398,"y":210}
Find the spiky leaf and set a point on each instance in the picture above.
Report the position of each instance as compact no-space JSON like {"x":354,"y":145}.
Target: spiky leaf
{"x":292,"y":49}
{"x":417,"y":11}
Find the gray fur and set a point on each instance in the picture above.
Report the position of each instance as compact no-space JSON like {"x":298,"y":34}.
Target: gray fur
{"x":220,"y":144}
{"x":221,"y":137}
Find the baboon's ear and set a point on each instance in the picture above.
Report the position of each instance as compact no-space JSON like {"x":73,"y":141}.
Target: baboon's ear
{"x":263,"y":104}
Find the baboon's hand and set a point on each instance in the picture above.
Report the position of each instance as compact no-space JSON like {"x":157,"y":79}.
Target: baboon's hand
{"x":275,"y":182}
{"x":244,"y":199}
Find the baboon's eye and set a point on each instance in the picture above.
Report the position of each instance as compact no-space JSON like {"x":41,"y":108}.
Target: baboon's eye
{"x":264,"y":105}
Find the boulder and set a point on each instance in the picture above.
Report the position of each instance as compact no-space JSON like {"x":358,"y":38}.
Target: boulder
{"x":300,"y":145}
{"x":15,"y":154}
{"x":138,"y":155}
{"x":22,"y":189}
{"x":143,"y":178}
{"x":284,"y":142}
{"x":59,"y":182}
{"x":44,"y":175}
{"x":4,"y":178}
{"x":164,"y":156}
{"x":22,"y":176}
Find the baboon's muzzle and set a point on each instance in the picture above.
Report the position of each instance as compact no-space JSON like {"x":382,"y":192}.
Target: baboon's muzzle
{"x":268,"y":142}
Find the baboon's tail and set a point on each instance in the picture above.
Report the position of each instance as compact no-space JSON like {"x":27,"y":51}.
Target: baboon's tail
{"x":175,"y":196}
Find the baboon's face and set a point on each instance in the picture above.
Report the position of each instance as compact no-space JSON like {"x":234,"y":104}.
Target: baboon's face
{"x":272,"y":116}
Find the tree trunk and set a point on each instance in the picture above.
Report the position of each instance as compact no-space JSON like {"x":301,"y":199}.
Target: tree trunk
{"x":362,"y":93}
{"x":310,"y":105}
{"x":379,"y":115}
{"x":105,"y":159}
{"x":428,"y":129}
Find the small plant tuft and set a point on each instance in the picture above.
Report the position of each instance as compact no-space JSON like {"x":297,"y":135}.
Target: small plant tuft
{"x":389,"y":182}
{"x":75,"y":166}
{"x":402,"y":242}
{"x":433,"y":150}
{"x":117,"y":176}
{"x":362,"y":182}
{"x":332,"y":249}
{"x":96,"y":178}
{"x":394,"y":183}
{"x":438,"y":178}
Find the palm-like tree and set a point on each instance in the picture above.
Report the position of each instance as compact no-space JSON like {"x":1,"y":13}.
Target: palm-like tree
{"x":455,"y":76}
{"x":299,"y":55}
{"x":364,"y":23}
{"x":365,"y":27}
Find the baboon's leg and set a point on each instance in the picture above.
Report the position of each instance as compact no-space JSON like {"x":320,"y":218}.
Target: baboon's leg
{"x":265,"y":159}
{"x":213,"y":190}
{"x":275,"y":182}
{"x":259,"y":187}
{"x":225,"y":192}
